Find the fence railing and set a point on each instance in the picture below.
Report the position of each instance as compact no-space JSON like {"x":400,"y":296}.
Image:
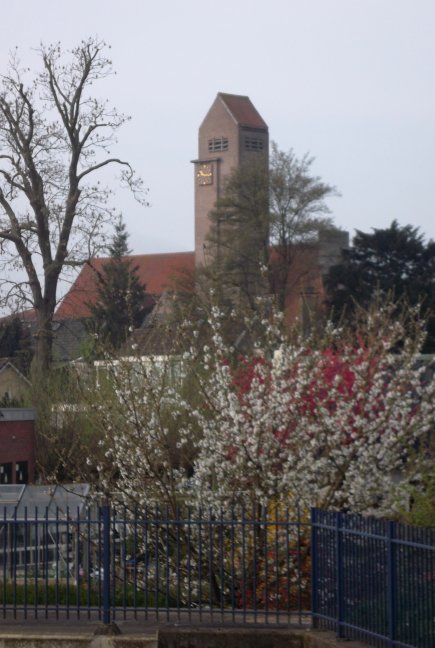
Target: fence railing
{"x":114,"y":563}
{"x":367,"y":579}
{"x":373,"y":580}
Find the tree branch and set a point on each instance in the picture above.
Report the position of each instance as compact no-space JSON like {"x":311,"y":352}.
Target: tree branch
{"x":101,"y":164}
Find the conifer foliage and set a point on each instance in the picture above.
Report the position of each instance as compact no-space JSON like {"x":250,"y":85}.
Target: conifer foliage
{"x":120,"y":302}
{"x":392,"y":261}
{"x":16,"y":343}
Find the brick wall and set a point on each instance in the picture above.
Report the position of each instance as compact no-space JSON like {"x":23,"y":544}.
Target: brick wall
{"x":17,"y":442}
{"x":218,"y":123}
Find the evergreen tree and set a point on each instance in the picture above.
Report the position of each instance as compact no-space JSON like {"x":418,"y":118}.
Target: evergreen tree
{"x":16,"y":343}
{"x":395,"y":260}
{"x":119,"y":247}
{"x":120,"y":302}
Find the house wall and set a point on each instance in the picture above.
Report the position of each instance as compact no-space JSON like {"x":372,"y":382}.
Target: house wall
{"x":12,"y":383}
{"x":17,"y":442}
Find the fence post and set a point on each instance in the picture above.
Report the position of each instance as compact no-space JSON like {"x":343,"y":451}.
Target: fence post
{"x":339,"y":558}
{"x":314,"y":573}
{"x":106,"y":564}
{"x":391,"y":575}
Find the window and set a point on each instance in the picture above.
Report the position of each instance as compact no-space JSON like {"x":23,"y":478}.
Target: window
{"x":218,"y":144}
{"x":22,"y":472}
{"x":6,"y":473}
{"x":253,"y":144}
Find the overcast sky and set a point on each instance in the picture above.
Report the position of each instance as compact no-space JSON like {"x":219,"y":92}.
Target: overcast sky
{"x":350,"y":81}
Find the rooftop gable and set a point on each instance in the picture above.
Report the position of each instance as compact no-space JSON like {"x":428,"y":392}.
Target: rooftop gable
{"x":243,"y":110}
{"x":157,"y":271}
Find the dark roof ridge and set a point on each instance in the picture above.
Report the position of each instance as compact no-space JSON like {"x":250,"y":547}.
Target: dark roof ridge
{"x":153,"y":254}
{"x":230,"y":94}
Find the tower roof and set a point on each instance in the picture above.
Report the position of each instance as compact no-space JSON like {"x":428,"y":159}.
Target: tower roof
{"x":243,"y":110}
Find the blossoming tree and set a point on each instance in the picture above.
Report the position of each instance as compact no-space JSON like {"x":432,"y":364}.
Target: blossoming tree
{"x":326,"y":420}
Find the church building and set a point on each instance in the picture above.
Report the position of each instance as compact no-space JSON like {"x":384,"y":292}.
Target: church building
{"x":231,"y":131}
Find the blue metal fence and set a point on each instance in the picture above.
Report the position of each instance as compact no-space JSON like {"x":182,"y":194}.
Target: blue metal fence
{"x":367,"y":579}
{"x":118,"y":563}
{"x":373,"y":580}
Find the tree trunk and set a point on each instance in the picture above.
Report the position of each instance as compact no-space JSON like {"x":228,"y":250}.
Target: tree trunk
{"x":43,"y":341}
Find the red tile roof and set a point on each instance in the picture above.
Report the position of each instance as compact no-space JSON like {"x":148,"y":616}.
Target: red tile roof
{"x":156,"y":271}
{"x":24,"y":316}
{"x":243,"y":110}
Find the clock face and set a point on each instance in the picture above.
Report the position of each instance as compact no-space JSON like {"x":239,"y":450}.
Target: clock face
{"x":205,"y":174}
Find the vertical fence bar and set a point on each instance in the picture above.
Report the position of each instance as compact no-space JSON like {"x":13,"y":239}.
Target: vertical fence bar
{"x":210,"y":560}
{"x":113,"y":524}
{"x":391,"y":575}
{"x":88,"y":561}
{"x":106,"y":564}
{"x":276,"y":564}
{"x":314,"y":572}
{"x":36,"y":552}
{"x":5,"y":559}
{"x":232,"y":565}
{"x":135,"y":563}
{"x":431,"y":576}
{"x":339,"y":555}
{"x":243,"y":565}
{"x":25,"y":561}
{"x":147,"y":564}
{"x":167,"y":567}
{"x":299,"y":566}
{"x":221,"y":565}
{"x":123,"y":560}
{"x":189,"y":567}
{"x":14,"y":562}
{"x":178,"y":563}
{"x":266,"y":593}
{"x":67,"y":559}
{"x":57,"y":565}
{"x":45,"y":571}
{"x":100,"y":560}
{"x":77,"y":561}
{"x":254,"y":562}
{"x":287,"y":563}
{"x":200,"y":564}
{"x":157,"y":558}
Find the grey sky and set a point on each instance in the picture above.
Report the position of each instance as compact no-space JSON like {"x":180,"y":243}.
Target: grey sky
{"x":351,"y":81}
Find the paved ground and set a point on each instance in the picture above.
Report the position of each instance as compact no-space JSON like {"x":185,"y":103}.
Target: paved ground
{"x":129,"y":626}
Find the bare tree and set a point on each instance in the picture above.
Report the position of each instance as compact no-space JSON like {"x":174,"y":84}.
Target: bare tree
{"x":298,"y":213}
{"x":265,"y":222}
{"x":54,"y":136}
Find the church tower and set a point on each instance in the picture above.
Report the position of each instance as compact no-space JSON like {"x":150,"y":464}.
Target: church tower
{"x":231,"y":131}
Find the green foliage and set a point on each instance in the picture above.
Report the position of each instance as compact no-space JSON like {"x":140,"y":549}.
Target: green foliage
{"x":422,"y":503}
{"x":50,"y":593}
{"x":395,"y":260}
{"x":66,"y":430}
{"x":12,"y":402}
{"x":120,"y":302}
{"x":16,"y":343}
{"x":120,"y":293}
{"x":119,"y":247}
